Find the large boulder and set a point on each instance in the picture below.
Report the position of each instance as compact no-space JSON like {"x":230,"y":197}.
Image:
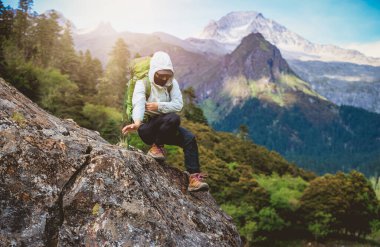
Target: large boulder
{"x":63,"y":185}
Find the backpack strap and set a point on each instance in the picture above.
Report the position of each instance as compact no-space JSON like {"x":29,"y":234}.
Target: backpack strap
{"x":147,"y":87}
{"x":170,"y":88}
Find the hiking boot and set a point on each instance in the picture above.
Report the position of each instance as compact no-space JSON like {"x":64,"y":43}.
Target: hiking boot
{"x":157,"y":152}
{"x":196,"y":182}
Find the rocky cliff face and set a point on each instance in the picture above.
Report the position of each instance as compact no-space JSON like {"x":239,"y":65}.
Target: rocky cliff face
{"x":343,"y":83}
{"x":256,"y":58}
{"x":62,"y":185}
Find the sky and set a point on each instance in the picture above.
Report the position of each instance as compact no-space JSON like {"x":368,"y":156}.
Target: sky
{"x":347,"y":23}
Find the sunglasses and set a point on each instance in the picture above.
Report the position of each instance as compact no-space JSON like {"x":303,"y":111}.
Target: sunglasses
{"x":163,"y":76}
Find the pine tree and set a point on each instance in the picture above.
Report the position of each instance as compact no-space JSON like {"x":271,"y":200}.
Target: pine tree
{"x":21,"y":27}
{"x":6,"y":25}
{"x":243,"y":132}
{"x":190,"y":110}
{"x":66,"y":58}
{"x":46,"y":35}
{"x":112,"y":85}
{"x":90,"y":70}
{"x":6,"y":22}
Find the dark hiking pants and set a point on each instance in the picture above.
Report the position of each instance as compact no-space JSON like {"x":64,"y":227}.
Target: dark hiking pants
{"x":166,"y":129}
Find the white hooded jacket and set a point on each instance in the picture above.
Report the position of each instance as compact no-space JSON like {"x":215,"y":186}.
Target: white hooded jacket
{"x":166,"y":103}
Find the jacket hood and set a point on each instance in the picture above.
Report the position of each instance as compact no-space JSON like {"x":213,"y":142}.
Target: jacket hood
{"x":160,"y":61}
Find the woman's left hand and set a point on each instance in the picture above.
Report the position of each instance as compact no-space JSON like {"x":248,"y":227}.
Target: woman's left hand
{"x":151,"y":106}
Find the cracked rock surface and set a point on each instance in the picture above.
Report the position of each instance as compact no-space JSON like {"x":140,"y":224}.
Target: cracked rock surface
{"x":63,"y":185}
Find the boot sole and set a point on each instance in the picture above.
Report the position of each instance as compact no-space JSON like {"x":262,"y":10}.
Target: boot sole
{"x":157,"y":158}
{"x":204,"y":188}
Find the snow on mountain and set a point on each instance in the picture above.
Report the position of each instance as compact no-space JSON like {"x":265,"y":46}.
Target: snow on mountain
{"x":102,"y":29}
{"x":371,"y":49}
{"x":233,"y":27}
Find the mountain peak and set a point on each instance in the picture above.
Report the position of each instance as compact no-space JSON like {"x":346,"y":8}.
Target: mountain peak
{"x":102,"y":29}
{"x":105,"y":27}
{"x":241,"y":15}
{"x":231,"y":27}
{"x":256,"y":58}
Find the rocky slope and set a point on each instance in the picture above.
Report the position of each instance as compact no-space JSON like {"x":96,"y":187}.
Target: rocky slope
{"x":62,"y":185}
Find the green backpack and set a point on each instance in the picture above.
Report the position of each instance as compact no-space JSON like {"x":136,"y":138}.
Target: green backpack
{"x":139,"y":71}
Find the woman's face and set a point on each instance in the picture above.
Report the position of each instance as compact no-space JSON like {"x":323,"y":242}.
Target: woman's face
{"x":161,"y":77}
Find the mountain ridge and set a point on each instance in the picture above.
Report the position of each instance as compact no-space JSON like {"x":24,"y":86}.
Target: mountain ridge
{"x":231,"y":28}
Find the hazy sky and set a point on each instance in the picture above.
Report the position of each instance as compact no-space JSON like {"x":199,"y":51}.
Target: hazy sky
{"x":339,"y":22}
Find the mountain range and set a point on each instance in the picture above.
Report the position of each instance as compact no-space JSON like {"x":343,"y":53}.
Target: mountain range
{"x":231,"y":28}
{"x":221,"y":37}
{"x":289,"y":104}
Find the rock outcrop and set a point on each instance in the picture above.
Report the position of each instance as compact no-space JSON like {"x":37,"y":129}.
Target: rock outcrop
{"x":63,"y":185}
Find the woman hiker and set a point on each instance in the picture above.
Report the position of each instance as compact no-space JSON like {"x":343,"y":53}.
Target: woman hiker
{"x":161,"y":124}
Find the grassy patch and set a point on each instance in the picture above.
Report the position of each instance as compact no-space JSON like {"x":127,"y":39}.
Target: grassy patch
{"x":267,"y":91}
{"x":297,"y":84}
{"x":264,"y":46}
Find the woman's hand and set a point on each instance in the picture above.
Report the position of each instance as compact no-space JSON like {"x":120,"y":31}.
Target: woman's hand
{"x":152,"y":106}
{"x":130,"y":127}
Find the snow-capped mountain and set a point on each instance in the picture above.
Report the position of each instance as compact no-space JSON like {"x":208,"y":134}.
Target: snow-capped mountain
{"x":233,"y":27}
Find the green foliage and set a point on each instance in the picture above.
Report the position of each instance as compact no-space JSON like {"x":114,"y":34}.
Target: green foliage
{"x":352,"y":203}
{"x":320,"y":227}
{"x":375,"y":225}
{"x":20,"y":73}
{"x":244,"y":217}
{"x":269,"y":220}
{"x":346,"y":136}
{"x":105,"y":119}
{"x":40,"y":61}
{"x":243,"y":132}
{"x":190,"y":110}
{"x":375,"y":185}
{"x":285,"y":190}
{"x":57,"y":93}
{"x":249,"y":232}
{"x":133,"y":139}
{"x":46,"y":34}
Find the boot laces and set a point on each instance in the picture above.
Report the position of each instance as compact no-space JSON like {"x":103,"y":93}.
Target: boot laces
{"x":199,"y":176}
{"x":158,"y":148}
